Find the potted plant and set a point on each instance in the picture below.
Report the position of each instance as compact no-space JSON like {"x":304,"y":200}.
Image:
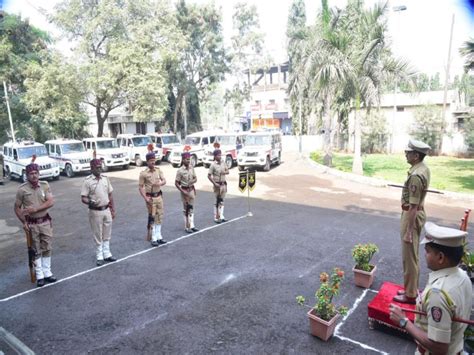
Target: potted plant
{"x":324,"y":314}
{"x":364,"y":272}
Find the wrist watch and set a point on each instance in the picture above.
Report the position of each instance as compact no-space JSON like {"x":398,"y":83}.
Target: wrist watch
{"x":403,"y":322}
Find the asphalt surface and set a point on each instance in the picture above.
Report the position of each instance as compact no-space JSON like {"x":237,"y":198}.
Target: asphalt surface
{"x":228,"y":289}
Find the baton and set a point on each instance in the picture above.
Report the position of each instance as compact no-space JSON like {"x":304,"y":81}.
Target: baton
{"x":432,"y":191}
{"x":454,"y":319}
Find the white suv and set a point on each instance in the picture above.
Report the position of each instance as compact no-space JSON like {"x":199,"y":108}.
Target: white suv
{"x":16,"y":156}
{"x":262,"y":149}
{"x":70,"y":154}
{"x":107,"y":151}
{"x":136,"y":146}
{"x":230,"y":145}
{"x":165,"y":141}
{"x":196,"y":145}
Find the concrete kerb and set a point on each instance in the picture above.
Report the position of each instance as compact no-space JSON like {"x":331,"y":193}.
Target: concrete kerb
{"x":374,"y":181}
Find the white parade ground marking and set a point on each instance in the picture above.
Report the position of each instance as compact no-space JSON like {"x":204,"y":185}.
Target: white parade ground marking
{"x":122,"y":259}
{"x":336,"y":330}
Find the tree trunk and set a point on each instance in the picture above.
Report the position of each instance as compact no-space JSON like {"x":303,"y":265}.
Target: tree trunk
{"x":100,"y":121}
{"x":357,"y":161}
{"x":327,"y":132}
{"x":177,"y":105}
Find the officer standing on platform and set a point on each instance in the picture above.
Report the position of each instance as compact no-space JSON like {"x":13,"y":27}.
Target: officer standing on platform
{"x":149,"y":184}
{"x":448,"y":294}
{"x":217,"y":172}
{"x":96,"y":193}
{"x":413,"y":218}
{"x":33,"y":200}
{"x":184,"y":182}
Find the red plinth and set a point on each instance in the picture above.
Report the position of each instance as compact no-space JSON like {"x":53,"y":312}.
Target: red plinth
{"x":378,"y":308}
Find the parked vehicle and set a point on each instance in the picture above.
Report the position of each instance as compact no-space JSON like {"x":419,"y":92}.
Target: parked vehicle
{"x":195,"y":144}
{"x":230,"y":145}
{"x":108,"y":151}
{"x":70,"y":154}
{"x":262,"y":149}
{"x":136,"y":146}
{"x":17,"y":155}
{"x":165,"y":141}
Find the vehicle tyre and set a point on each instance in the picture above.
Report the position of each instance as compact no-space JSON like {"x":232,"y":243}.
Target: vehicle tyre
{"x":175,"y":165}
{"x":207,"y":166}
{"x":104,"y":167}
{"x":23,"y":177}
{"x":229,"y":161}
{"x":158,"y":162}
{"x":138,"y":161}
{"x":126,"y":166}
{"x":8,"y":173}
{"x":241,"y":168}
{"x":68,"y":170}
{"x":56,"y":178}
{"x":278,"y":162}
{"x":193,"y":161}
{"x":267,"y":165}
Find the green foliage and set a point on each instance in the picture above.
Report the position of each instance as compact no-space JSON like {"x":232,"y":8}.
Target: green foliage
{"x":329,"y":288}
{"x":362,"y":254}
{"x":374,"y":132}
{"x":469,"y":133}
{"x":452,"y":174}
{"x":467,"y":50}
{"x":429,"y":126}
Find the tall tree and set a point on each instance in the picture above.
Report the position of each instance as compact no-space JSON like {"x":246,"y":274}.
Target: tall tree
{"x":20,"y":45}
{"x":246,"y":53}
{"x":467,"y":50}
{"x":121,"y":49}
{"x":202,"y":60}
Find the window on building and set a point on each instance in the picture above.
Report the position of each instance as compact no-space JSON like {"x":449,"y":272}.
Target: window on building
{"x":400,"y":109}
{"x":284,"y":76}
{"x":272,"y":102}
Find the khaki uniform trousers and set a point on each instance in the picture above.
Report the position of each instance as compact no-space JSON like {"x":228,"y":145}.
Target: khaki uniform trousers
{"x":220,"y":191}
{"x":101,"y":225}
{"x":155,"y":209}
{"x":42,"y":235}
{"x":188,"y":200}
{"x":410,"y":253}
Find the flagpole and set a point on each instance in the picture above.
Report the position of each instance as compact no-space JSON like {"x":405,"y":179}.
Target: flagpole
{"x":249,"y":214}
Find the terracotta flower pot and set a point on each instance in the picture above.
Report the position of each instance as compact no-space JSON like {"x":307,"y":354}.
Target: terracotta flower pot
{"x":364,"y":278}
{"x":321,"y":328}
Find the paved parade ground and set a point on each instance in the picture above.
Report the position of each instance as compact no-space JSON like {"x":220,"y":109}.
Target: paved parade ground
{"x":229,"y":288}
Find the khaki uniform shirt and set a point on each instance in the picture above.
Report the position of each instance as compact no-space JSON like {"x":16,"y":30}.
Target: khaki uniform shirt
{"x":184,"y":176}
{"x":414,"y":189}
{"x":217,"y":171}
{"x":97,"y":189}
{"x":147,"y":178}
{"x":27,"y":196}
{"x":448,"y":294}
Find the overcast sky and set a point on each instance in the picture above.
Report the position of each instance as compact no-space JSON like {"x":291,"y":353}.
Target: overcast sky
{"x":419,"y":34}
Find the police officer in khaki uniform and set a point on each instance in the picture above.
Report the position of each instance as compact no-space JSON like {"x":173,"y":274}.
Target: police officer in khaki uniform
{"x":96,"y":193}
{"x":33,"y":200}
{"x":413,"y":218}
{"x":150,"y":182}
{"x":448,"y":294}
{"x":184,"y":182}
{"x":217,"y":172}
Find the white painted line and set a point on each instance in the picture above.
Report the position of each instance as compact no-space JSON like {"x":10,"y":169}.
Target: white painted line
{"x":122,"y":259}
{"x":353,"y":308}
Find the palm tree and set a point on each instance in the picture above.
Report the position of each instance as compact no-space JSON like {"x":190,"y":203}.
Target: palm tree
{"x":467,"y":50}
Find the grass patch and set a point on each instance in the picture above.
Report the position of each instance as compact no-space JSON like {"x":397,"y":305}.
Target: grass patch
{"x":447,"y":173}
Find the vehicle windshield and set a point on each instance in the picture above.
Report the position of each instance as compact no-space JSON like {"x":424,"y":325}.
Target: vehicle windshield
{"x":108,"y":144}
{"x":27,"y":152}
{"x":226,"y":140}
{"x":258,"y":140}
{"x":192,"y":140}
{"x":169,"y":139}
{"x":141,"y":141}
{"x":72,"y":148}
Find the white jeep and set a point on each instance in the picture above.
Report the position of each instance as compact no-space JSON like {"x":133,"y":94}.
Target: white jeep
{"x":230,"y":145}
{"x":165,"y":141}
{"x":16,"y":156}
{"x":107,"y":151}
{"x":136,"y":146}
{"x":196,"y":145}
{"x":262,"y":149}
{"x":70,"y":154}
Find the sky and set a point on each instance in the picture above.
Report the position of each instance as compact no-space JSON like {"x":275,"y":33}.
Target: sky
{"x":419,"y":34}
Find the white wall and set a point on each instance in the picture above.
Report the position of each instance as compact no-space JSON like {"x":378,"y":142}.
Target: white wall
{"x":309,"y":143}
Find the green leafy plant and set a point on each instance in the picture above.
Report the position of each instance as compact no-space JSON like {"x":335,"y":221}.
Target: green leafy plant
{"x":362,"y":254}
{"x":324,"y":307}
